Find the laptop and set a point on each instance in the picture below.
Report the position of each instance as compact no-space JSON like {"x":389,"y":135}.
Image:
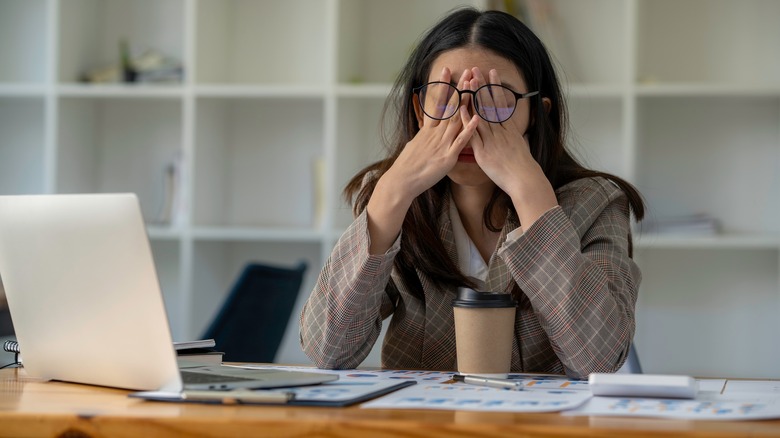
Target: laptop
{"x":86,"y":303}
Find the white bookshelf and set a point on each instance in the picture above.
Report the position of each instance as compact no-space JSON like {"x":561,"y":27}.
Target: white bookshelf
{"x":280,"y":106}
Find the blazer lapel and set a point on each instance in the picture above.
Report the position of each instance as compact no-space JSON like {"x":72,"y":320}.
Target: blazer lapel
{"x":439,"y":340}
{"x":499,"y":278}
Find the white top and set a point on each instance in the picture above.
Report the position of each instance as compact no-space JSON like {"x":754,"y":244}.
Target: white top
{"x":470,"y":261}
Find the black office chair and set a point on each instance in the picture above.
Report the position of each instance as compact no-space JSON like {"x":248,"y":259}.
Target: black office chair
{"x":251,"y":323}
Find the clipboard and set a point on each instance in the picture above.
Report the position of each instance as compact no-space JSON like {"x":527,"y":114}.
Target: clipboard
{"x":339,"y":393}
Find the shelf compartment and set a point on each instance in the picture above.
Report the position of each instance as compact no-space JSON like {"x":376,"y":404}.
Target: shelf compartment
{"x":730,"y":172}
{"x":592,"y":51}
{"x":167,"y":261}
{"x":22,"y":150}
{"x":372,"y":47}
{"x":262,"y":42}
{"x":359,"y":143}
{"x":698,"y":307}
{"x":596,"y":136}
{"x":710,"y":41}
{"x":24,"y":29}
{"x":119,"y":145}
{"x":255,"y":162}
{"x":219,"y":264}
{"x":91,"y":30}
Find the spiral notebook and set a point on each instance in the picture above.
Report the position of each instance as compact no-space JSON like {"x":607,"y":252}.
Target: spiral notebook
{"x":86,"y":303}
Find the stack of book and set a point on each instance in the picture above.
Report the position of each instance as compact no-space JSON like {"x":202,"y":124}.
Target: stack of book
{"x":199,"y":351}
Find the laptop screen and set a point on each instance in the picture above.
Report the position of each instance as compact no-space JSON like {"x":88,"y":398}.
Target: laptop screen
{"x":83,"y":292}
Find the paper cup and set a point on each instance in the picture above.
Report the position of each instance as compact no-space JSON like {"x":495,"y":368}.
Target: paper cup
{"x":484,"y":331}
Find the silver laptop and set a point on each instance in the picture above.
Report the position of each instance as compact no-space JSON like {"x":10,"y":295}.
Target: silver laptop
{"x":86,"y":303}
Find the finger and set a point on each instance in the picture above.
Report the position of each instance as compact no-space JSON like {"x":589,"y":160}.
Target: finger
{"x":484,"y":99}
{"x":465,"y":117}
{"x":478,"y":76}
{"x":465,"y":76}
{"x":470,"y":121}
{"x":503,"y":99}
{"x":485,"y":130}
{"x":466,"y":134}
{"x":436,"y":97}
{"x":452,"y":129}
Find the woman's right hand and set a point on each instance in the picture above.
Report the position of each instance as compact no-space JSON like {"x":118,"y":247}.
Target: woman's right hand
{"x":433,"y":152}
{"x":425,"y":160}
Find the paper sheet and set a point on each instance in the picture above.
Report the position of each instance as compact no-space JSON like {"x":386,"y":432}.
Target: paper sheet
{"x":710,"y":408}
{"x":765,"y":387}
{"x":461,"y":396}
{"x":718,"y":399}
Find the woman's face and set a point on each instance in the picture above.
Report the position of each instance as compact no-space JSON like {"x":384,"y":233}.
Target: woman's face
{"x":467,"y":171}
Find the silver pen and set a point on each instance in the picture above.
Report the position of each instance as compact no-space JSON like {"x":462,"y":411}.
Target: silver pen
{"x":493,"y":382}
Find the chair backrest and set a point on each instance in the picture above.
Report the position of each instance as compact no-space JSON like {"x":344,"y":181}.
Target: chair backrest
{"x":251,"y":323}
{"x":632,"y":362}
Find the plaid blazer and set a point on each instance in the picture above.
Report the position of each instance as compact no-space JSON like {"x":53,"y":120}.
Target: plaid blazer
{"x":578,"y":290}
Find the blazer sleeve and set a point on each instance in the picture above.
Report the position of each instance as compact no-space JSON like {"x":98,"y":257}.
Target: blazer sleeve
{"x":574,"y":266}
{"x":342,"y":318}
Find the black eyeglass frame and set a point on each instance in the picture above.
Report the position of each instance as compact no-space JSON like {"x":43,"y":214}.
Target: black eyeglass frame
{"x":518,"y":96}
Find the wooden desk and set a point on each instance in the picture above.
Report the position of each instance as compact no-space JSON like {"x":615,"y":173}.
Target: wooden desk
{"x":33,"y":408}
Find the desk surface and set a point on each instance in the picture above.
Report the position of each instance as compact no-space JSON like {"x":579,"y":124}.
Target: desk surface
{"x":30,"y":407}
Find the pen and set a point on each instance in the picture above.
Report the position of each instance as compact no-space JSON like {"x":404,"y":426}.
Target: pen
{"x":492,"y":382}
{"x":239,"y":396}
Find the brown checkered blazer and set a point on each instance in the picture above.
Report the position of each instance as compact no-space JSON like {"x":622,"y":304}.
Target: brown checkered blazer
{"x":578,"y":293}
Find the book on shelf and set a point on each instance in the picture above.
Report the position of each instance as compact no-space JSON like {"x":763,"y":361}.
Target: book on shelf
{"x":198,"y":352}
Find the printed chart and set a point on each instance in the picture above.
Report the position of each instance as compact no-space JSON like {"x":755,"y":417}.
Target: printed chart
{"x":720,"y":408}
{"x":461,"y":396}
{"x":718,"y":399}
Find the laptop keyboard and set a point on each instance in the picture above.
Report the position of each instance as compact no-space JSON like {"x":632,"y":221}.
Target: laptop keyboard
{"x":189,"y":377}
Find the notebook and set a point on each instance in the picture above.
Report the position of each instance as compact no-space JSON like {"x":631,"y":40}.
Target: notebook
{"x":86,"y":303}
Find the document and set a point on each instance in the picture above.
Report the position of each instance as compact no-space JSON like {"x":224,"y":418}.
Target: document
{"x":538,"y":393}
{"x":437,"y":390}
{"x":718,"y":399}
{"x":462,"y":396}
{"x":708,"y":408}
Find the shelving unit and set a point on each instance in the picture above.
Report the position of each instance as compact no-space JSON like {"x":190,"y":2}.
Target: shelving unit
{"x":280,"y":106}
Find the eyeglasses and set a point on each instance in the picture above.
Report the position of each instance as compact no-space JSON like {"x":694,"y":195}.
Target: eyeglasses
{"x":494,"y":103}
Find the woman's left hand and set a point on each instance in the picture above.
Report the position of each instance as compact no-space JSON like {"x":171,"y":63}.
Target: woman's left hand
{"x":503,"y":153}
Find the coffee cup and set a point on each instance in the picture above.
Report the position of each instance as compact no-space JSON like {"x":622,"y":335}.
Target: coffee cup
{"x":484,"y":331}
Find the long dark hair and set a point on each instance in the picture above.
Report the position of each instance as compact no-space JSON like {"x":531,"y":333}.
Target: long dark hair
{"x":505,"y":36}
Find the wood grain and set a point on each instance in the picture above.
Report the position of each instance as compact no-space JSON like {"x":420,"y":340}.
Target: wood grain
{"x":30,"y":407}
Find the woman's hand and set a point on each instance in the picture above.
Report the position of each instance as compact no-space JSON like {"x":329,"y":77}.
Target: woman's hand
{"x":434,"y":151}
{"x":503,"y":153}
{"x":425,"y":160}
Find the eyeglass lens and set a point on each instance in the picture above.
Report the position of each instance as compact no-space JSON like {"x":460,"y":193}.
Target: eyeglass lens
{"x":492,"y":102}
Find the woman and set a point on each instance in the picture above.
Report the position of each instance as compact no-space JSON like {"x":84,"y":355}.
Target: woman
{"x":479,"y":191}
